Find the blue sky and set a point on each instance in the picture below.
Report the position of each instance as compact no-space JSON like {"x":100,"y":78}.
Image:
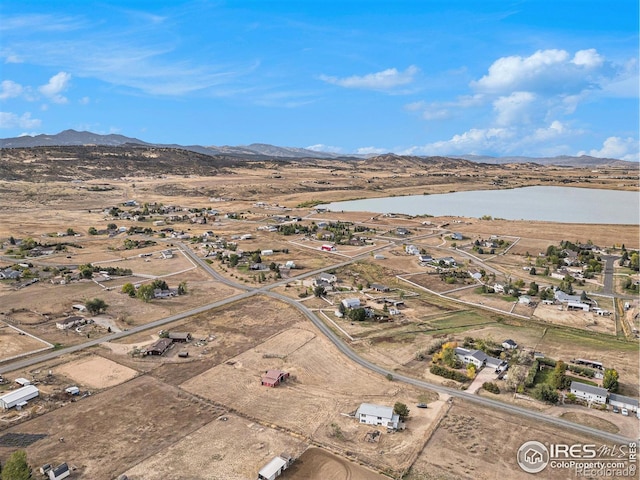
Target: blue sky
{"x":424,"y":77}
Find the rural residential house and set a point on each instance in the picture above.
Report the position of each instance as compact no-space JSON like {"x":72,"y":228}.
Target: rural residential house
{"x":509,"y":344}
{"x":589,"y":393}
{"x":379,"y":288}
{"x":621,"y":401}
{"x":479,"y":358}
{"x":159,"y":347}
{"x":70,"y":322}
{"x":273,"y":378}
{"x":372,"y":414}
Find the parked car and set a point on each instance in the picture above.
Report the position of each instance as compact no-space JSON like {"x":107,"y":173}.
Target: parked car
{"x":616,"y":409}
{"x":624,"y":411}
{"x":422,"y":405}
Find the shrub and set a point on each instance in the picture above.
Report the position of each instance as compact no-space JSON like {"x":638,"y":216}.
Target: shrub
{"x":448,"y":373}
{"x":491,"y":387}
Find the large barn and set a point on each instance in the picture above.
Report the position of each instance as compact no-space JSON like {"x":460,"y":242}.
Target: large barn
{"x":18,"y":397}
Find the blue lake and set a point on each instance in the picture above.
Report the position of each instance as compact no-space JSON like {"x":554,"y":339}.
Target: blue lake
{"x":550,"y":204}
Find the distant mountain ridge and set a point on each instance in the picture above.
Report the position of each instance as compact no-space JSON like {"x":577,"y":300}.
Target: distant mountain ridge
{"x":75,"y":138}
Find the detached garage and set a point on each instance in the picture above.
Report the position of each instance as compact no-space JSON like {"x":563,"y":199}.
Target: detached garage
{"x":11,"y":399}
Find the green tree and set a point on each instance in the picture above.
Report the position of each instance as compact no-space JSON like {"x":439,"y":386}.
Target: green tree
{"x":319,"y":291}
{"x":634,"y":262}
{"x":182,"y":288}
{"x":93,"y":231}
{"x":358,"y":315}
{"x":12,"y":240}
{"x":546,"y":393}
{"x":341,"y":308}
{"x":70,"y":231}
{"x":129,"y":289}
{"x":401,"y":410}
{"x":145,"y":292}
{"x":86,"y":271}
{"x":233,"y":259}
{"x":161,"y":284}
{"x":610,"y":380}
{"x":558,"y":378}
{"x":532,"y":271}
{"x":16,"y":467}
{"x":96,"y":306}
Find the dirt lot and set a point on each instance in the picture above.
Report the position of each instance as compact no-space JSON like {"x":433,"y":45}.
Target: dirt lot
{"x":107,"y":433}
{"x":466,"y":446}
{"x":13,"y":343}
{"x":229,"y":448}
{"x":96,"y":372}
{"x":313,"y":402}
{"x":576,"y":319}
{"x":318,"y":464}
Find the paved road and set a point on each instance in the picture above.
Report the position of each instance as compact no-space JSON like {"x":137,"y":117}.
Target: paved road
{"x":249,"y":292}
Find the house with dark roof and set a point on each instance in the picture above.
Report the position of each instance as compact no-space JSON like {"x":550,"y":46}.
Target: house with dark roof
{"x":590,"y":393}
{"x":509,"y":344}
{"x":159,"y":347}
{"x":180,"y":336}
{"x":379,"y":288}
{"x":621,"y":401}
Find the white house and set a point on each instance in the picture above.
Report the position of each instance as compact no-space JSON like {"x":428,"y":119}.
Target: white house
{"x":18,"y":396}
{"x":425,"y":259}
{"x":509,"y":344}
{"x":562,"y":297}
{"x":378,"y":415}
{"x":327,"y":277}
{"x":351,"y":302}
{"x":412,"y":250}
{"x":498,"y":288}
{"x":448,"y":261}
{"x":266,"y":253}
{"x":578,"y":306}
{"x":621,"y":401}
{"x":478,"y":358}
{"x":589,"y":392}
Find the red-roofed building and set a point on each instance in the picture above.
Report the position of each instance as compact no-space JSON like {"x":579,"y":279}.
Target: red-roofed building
{"x":272,"y":378}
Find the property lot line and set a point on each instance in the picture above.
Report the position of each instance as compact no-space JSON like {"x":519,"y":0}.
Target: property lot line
{"x":475,"y":305}
{"x":336,"y":325}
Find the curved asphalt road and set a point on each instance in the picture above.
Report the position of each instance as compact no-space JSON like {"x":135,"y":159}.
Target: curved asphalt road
{"x":250,"y":291}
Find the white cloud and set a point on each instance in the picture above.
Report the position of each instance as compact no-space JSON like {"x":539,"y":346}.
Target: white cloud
{"x":11,"y":120}
{"x":473,"y":141}
{"x":320,"y":147}
{"x":588,"y":58}
{"x":10,"y":89}
{"x":371,"y":150}
{"x":544,"y":71}
{"x":514,"y":108}
{"x":56,"y":85}
{"x":384,"y":80}
{"x":84,"y":101}
{"x":616,"y":147}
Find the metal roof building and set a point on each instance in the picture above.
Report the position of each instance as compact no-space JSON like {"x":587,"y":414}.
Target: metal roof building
{"x":11,"y":399}
{"x":273,"y":469}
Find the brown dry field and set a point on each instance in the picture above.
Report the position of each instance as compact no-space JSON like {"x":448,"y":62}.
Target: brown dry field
{"x":231,"y":449}
{"x":323,"y":385}
{"x":577,"y":319}
{"x":107,"y":433}
{"x":480,"y":443}
{"x":14,"y":343}
{"x":96,"y":372}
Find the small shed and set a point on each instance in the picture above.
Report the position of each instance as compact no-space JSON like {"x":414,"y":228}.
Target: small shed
{"x":272,"y":378}
{"x":72,"y":390}
{"x":273,"y":469}
{"x":60,"y":472}
{"x":23,"y":382}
